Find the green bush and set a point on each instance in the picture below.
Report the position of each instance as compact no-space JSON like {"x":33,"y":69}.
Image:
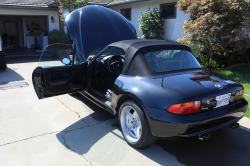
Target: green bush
{"x":221,"y":28}
{"x":220,"y":61}
{"x":56,"y":36}
{"x":216,"y":60}
{"x":151,"y":24}
{"x":209,"y":62}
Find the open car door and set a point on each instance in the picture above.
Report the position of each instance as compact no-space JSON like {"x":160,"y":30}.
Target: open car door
{"x":61,"y":69}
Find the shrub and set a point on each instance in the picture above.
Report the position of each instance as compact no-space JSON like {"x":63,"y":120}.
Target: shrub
{"x":220,"y":27}
{"x":56,"y":36}
{"x":151,"y":24}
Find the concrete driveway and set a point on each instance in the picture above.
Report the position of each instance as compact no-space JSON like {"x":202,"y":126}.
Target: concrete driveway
{"x":70,"y":130}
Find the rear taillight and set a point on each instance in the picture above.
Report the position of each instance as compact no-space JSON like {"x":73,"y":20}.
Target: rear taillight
{"x":241,"y":94}
{"x":185,"y":108}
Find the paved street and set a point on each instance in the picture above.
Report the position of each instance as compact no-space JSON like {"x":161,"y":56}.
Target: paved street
{"x":70,"y":130}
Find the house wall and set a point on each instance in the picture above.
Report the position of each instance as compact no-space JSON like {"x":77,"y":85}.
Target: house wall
{"x":34,"y":12}
{"x":172,"y":27}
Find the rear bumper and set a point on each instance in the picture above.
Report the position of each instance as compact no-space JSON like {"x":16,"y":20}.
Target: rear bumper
{"x":164,"y":124}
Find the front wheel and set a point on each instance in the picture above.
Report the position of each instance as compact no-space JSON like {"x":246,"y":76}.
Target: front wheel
{"x":134,"y":124}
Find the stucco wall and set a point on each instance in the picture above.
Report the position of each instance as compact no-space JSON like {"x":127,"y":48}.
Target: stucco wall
{"x":34,"y":12}
{"x":172,"y":27}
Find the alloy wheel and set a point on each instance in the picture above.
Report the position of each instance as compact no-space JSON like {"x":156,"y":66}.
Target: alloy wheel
{"x":131,"y":124}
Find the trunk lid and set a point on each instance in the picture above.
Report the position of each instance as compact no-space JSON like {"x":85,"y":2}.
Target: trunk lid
{"x":199,"y":84}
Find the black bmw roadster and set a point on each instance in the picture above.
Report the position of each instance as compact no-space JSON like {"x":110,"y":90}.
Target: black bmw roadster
{"x":156,"y":87}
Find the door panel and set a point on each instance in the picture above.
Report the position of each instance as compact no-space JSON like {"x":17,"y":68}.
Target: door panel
{"x":64,"y":79}
{"x":53,"y":81}
{"x":52,"y":77}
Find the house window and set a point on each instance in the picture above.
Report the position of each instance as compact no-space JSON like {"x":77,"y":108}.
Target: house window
{"x":169,"y":10}
{"x":126,"y":13}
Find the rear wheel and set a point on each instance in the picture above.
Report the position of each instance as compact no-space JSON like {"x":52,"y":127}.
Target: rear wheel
{"x":134,"y":124}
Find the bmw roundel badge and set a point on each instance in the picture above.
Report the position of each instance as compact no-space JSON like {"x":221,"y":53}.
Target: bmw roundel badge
{"x":218,"y":86}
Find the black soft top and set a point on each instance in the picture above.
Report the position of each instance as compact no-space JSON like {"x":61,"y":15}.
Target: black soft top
{"x":135,"y":63}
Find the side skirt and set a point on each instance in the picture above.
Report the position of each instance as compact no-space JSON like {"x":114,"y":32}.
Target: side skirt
{"x":99,"y":101}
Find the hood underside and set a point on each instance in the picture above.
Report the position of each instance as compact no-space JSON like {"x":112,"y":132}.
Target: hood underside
{"x":94,"y":27}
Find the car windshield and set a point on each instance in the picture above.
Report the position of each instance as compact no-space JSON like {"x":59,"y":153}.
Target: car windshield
{"x":113,"y":51}
{"x":170,"y":60}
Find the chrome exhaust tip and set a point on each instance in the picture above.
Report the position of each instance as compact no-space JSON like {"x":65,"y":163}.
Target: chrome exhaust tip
{"x":209,"y":137}
{"x":234,"y":126}
{"x":205,"y":137}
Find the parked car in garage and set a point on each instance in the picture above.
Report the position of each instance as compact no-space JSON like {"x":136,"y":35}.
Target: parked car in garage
{"x":157,"y":88}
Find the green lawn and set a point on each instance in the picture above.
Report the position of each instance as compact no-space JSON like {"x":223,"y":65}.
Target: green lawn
{"x":242,"y":75}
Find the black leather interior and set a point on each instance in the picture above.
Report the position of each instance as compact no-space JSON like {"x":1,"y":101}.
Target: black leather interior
{"x":65,"y":79}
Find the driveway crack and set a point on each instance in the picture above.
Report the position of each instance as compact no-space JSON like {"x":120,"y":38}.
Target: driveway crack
{"x":68,"y":147}
{"x":72,"y":150}
{"x":73,"y":111}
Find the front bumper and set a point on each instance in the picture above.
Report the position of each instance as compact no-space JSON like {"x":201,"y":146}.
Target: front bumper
{"x":165,"y":124}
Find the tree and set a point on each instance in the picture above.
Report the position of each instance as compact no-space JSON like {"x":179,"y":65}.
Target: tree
{"x":221,"y":27}
{"x":67,"y":6}
{"x":151,"y":24}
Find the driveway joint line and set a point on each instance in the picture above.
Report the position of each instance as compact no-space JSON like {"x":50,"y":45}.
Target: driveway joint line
{"x":68,"y":147}
{"x":29,"y":138}
{"x":24,"y":71}
{"x":53,"y":133}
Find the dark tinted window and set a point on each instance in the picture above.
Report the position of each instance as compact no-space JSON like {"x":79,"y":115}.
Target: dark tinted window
{"x":169,"y":60}
{"x":168,"y":10}
{"x":126,"y":13}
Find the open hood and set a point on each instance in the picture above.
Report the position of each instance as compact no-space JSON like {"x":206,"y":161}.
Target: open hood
{"x":94,"y":27}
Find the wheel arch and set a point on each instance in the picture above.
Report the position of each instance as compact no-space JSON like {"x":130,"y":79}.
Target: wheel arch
{"x":130,"y":96}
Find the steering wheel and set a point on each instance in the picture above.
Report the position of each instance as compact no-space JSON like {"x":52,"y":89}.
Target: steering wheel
{"x":115,"y":67}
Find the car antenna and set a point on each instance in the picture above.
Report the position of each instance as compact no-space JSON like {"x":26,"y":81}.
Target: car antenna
{"x":163,"y":72}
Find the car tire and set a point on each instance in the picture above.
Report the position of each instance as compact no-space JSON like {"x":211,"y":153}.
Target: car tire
{"x":2,"y":61}
{"x":146,"y":138}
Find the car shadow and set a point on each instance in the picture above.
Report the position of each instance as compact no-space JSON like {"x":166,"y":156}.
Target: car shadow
{"x":9,"y":75}
{"x":13,"y":60}
{"x":95,"y":142}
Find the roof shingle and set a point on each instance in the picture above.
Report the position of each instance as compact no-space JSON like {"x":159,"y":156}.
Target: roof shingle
{"x":113,"y":2}
{"x":45,"y":3}
{"x":35,"y":3}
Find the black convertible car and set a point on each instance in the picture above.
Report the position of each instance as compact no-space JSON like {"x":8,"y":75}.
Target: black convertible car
{"x":157,"y":88}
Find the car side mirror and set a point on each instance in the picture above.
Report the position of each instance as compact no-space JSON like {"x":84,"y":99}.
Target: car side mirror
{"x":66,"y":61}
